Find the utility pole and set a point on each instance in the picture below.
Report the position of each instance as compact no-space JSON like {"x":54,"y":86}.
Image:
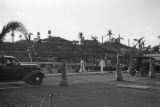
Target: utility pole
{"x":129,"y":42}
{"x":13,"y":35}
{"x":118,"y":71}
{"x":102,"y":39}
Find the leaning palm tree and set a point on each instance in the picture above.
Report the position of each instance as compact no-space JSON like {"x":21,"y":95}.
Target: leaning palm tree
{"x":12,"y":26}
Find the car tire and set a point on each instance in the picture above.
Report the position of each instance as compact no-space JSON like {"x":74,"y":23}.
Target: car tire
{"x":36,"y":80}
{"x":132,"y":71}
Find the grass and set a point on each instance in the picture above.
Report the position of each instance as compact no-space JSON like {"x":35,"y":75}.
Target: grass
{"x":81,"y":95}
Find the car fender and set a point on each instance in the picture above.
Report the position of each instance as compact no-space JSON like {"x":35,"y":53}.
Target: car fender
{"x":28,"y":76}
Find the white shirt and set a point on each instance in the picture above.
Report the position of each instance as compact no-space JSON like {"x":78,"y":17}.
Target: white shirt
{"x":102,"y":63}
{"x":82,"y":63}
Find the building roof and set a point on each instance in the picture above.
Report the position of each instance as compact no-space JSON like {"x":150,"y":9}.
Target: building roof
{"x":6,"y":56}
{"x":49,"y":39}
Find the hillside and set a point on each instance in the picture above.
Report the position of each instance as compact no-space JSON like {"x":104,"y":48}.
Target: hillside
{"x":113,"y":46}
{"x":54,"y":48}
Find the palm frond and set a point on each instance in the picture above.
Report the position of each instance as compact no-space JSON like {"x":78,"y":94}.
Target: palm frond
{"x":135,"y":39}
{"x":12,"y":26}
{"x":109,"y":33}
{"x":141,"y":39}
{"x":6,"y":29}
{"x":94,"y":37}
{"x":121,"y":38}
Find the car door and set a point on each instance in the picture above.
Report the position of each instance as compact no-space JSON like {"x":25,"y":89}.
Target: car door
{"x":12,"y":69}
{"x":2,"y":69}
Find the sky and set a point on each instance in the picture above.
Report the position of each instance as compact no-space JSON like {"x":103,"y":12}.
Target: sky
{"x":132,"y":19}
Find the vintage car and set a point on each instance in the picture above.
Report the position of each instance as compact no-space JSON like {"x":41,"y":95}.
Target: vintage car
{"x":12,"y":70}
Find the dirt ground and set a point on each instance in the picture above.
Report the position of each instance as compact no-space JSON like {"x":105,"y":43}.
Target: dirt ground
{"x":82,"y":94}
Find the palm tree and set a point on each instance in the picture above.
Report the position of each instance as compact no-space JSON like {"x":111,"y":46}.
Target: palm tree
{"x":11,"y":27}
{"x":117,"y":40}
{"x":143,"y":44}
{"x":139,"y":42}
{"x":28,"y":36}
{"x":95,"y":39}
{"x":109,"y":34}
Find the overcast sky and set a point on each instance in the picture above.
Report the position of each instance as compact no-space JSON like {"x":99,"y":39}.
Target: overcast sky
{"x":66,"y":18}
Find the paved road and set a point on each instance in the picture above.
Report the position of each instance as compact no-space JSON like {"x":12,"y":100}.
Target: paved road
{"x":55,"y":80}
{"x":72,"y":79}
{"x":89,"y":78}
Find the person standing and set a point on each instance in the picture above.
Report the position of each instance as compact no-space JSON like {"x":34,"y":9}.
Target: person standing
{"x":82,"y":66}
{"x":102,"y":65}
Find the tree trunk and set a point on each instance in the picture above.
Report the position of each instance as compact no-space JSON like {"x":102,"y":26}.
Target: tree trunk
{"x":151,"y":69}
{"x":118,"y":71}
{"x":64,"y":81}
{"x":12,"y":34}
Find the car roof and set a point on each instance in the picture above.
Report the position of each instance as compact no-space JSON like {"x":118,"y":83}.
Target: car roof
{"x":6,"y":56}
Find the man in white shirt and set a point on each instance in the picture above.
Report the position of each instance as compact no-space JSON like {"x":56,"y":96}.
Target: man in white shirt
{"x":102,"y":65}
{"x":82,"y":66}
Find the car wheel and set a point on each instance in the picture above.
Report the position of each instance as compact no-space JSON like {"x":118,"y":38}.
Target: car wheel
{"x":132,"y":71}
{"x":36,"y":80}
{"x":143,"y":72}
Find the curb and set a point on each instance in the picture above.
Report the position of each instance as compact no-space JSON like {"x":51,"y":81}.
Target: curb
{"x":133,"y":86}
{"x":83,"y":73}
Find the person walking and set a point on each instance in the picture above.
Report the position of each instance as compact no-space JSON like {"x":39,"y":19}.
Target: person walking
{"x":102,"y":65}
{"x":82,"y":66}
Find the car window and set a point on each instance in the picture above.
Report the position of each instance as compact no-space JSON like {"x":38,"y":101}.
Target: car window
{"x":14,"y":62}
{"x":11,"y":62}
{"x":8,"y":61}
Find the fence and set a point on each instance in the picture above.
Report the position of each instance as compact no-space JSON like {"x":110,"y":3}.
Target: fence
{"x":7,"y":104}
{"x":47,"y":101}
